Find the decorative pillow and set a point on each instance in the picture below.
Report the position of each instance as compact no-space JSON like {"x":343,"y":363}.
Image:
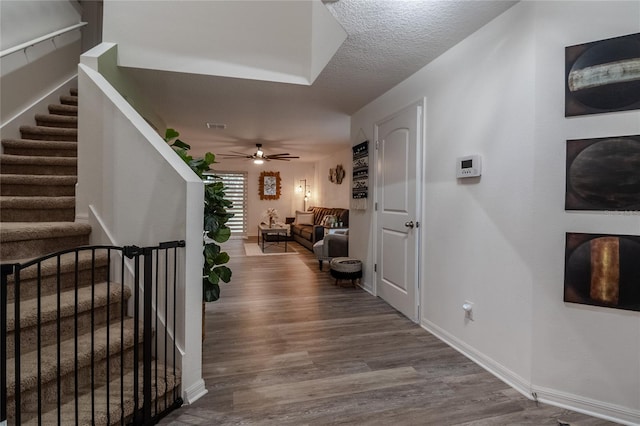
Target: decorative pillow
{"x":327,"y":220}
{"x":304,"y":218}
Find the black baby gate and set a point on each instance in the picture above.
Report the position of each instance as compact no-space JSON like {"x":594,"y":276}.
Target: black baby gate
{"x":91,"y":340}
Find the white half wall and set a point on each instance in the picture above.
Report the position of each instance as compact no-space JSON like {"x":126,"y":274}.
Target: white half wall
{"x":133,"y":189}
{"x":498,"y":240}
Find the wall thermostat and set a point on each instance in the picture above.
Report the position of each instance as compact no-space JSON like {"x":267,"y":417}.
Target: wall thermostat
{"x":468,"y":166}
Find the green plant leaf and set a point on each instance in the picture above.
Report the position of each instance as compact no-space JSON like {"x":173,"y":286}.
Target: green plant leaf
{"x":170,"y":134}
{"x":215,"y":218}
{"x":221,"y":258}
{"x":179,"y":144}
{"x":209,"y":158}
{"x":213,"y":277}
{"x":222,"y":235}
{"x":210,"y":292}
{"x":224,"y":273}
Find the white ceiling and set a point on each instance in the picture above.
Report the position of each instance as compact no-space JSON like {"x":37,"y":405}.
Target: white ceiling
{"x":388,"y":40}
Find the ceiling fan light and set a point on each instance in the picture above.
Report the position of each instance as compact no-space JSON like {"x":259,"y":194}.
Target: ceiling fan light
{"x":258,"y":161}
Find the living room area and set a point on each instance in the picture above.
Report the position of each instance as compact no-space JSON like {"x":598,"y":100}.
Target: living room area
{"x":293,"y":188}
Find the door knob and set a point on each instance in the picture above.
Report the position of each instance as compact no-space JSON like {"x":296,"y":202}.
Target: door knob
{"x":409,"y":224}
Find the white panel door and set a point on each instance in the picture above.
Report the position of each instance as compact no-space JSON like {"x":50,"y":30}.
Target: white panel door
{"x":398,"y":200}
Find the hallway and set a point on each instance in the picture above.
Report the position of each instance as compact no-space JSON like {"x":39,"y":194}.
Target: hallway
{"x":284,"y":346}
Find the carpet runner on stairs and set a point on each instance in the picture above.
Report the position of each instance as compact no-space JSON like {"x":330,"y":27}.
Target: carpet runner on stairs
{"x":38,"y":173}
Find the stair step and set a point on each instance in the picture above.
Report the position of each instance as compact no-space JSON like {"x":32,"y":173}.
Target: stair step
{"x":54,"y":120}
{"x":31,"y":147}
{"x":37,"y":209}
{"x":45,"y":185}
{"x":105,"y":303}
{"x":69,"y":100}
{"x":108,"y":358}
{"x":73,"y":91}
{"x":49,"y":133}
{"x":58,"y":109}
{"x":48,"y":354}
{"x":91,"y":267}
{"x":20,"y":240}
{"x":38,"y":165}
{"x":103,"y":414}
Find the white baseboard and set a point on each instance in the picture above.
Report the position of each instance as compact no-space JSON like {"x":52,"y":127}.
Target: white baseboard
{"x":367,"y":288}
{"x":603,"y":410}
{"x":501,"y":372}
{"x":194,"y":392}
{"x":553,"y":397}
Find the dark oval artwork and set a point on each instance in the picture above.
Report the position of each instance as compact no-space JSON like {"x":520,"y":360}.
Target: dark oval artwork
{"x":603,"y":76}
{"x":603,"y":174}
{"x":603,"y":270}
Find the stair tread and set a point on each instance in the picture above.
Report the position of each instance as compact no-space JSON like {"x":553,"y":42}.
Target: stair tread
{"x":19,"y":231}
{"x":49,"y":309}
{"x":43,"y":180}
{"x":38,"y":160}
{"x":67,"y":264}
{"x":63,"y":109}
{"x":57,"y":117}
{"x":37,"y":202}
{"x":66,"y":99}
{"x":49,"y":130}
{"x":48,"y":354}
{"x":39,"y":144}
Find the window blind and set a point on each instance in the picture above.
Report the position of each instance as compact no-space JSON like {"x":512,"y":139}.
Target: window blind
{"x":235,"y":188}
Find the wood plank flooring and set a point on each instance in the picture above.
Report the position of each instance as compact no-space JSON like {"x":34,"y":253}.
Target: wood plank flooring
{"x":285,"y":346}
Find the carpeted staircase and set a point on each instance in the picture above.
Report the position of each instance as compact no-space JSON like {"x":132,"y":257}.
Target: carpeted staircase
{"x":38,"y":173}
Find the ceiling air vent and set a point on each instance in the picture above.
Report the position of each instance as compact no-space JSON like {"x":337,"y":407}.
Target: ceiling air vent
{"x":216,"y":126}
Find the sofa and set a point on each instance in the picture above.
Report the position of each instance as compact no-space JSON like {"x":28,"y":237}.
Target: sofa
{"x":307,"y":228}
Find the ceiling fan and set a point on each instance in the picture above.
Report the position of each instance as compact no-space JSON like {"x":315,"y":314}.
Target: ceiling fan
{"x":259,"y":156}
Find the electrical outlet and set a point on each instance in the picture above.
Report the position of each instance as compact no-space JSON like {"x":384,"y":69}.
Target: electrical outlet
{"x":467,"y":307}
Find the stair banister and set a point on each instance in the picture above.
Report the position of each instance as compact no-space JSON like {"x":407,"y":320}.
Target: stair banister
{"x":50,"y":36}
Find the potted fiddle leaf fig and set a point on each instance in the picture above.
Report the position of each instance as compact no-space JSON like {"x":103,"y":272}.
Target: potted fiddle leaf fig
{"x":215,"y":218}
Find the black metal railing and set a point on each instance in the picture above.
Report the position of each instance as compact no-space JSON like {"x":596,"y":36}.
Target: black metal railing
{"x":88,"y":336}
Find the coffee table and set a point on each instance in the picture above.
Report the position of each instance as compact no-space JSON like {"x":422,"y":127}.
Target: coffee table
{"x":278,"y":231}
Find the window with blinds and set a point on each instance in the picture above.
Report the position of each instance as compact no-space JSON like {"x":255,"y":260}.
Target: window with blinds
{"x":235,"y":184}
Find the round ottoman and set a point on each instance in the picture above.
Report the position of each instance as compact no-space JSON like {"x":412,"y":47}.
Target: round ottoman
{"x":346,"y":268}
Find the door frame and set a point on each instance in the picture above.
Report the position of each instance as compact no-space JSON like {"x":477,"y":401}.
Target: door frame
{"x":420,"y":161}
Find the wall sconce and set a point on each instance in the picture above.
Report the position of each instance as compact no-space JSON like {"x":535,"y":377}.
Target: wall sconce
{"x":303,"y":188}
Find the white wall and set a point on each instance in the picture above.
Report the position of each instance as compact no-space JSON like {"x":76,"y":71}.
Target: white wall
{"x":331,"y":194}
{"x":133,"y":189}
{"x":27,"y":76}
{"x":259,"y":40}
{"x":577,"y":350}
{"x":498,"y":241}
{"x":289,"y":201}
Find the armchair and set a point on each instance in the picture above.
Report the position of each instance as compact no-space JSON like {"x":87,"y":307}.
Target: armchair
{"x":332,"y":245}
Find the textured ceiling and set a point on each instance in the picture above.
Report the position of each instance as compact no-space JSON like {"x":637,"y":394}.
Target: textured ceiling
{"x":388,"y":40}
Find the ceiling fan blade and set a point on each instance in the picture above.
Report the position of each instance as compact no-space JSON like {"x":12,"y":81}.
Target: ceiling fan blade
{"x":235,"y":156}
{"x":282,"y":156}
{"x":278,"y":155}
{"x":281,"y":159}
{"x":241,"y":153}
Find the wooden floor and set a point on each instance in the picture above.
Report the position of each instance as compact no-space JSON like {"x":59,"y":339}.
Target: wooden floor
{"x":285,"y":346}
